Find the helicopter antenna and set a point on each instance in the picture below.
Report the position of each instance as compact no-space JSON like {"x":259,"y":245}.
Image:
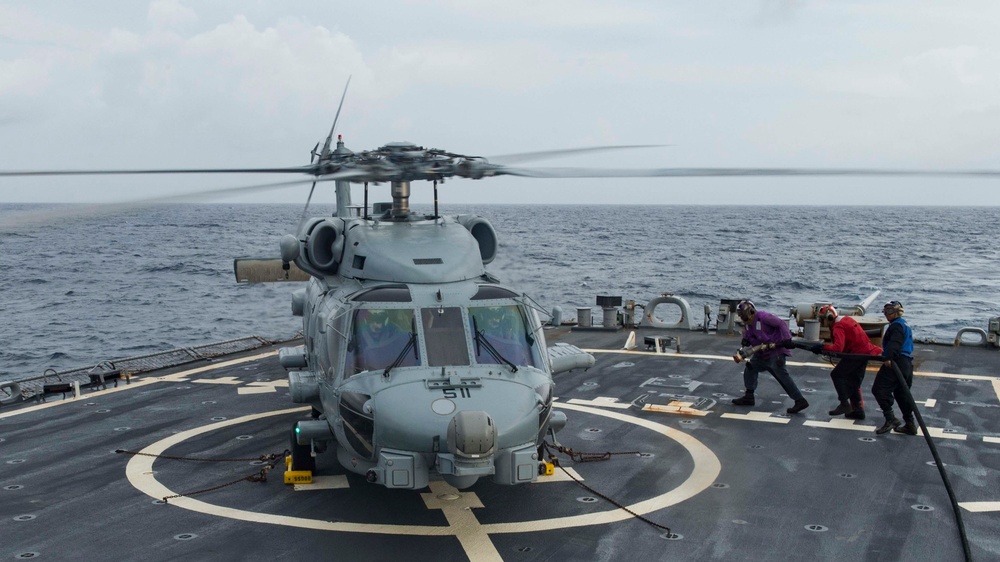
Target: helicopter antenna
{"x":325,"y":154}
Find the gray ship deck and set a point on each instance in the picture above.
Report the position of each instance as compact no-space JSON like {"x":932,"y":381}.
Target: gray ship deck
{"x":730,"y":482}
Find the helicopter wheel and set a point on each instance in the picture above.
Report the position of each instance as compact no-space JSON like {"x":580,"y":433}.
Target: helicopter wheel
{"x":302,"y":458}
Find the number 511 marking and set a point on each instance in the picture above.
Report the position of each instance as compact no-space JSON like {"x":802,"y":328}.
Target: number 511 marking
{"x":457,"y":393}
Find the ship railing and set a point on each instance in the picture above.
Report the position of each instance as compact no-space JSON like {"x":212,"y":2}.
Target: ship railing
{"x":99,"y":375}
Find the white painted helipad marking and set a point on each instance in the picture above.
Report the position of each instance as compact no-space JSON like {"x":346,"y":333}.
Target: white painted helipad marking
{"x":991,"y":439}
{"x":675,"y":407}
{"x":841,"y":424}
{"x":849,"y":424}
{"x":602,"y":402}
{"x":980,"y":507}
{"x":262,"y":387}
{"x":757,"y":417}
{"x":457,"y":507}
{"x":220,"y":380}
{"x":940,"y":434}
{"x":332,"y":482}
{"x":705,"y":470}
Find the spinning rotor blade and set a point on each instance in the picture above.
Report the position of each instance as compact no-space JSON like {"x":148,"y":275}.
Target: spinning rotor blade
{"x":543,"y":154}
{"x":292,"y":170}
{"x":41,"y":217}
{"x":732,"y":172}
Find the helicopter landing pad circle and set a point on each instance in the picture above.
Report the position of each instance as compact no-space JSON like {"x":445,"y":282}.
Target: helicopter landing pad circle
{"x":705,"y":471}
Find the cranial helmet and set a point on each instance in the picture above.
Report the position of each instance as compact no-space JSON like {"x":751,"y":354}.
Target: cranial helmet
{"x":895,"y":307}
{"x":746,"y":310}
{"x":827,"y":313}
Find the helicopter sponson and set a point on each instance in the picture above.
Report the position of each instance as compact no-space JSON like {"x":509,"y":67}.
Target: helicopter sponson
{"x":417,"y":360}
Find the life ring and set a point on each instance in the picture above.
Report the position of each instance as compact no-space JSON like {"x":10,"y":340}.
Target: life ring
{"x":979,"y":331}
{"x":15,"y":392}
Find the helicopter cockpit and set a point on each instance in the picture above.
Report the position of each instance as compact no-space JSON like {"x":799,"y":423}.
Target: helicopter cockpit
{"x":452,"y":336}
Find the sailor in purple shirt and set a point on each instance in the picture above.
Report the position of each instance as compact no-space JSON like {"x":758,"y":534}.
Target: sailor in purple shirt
{"x":765,"y":329}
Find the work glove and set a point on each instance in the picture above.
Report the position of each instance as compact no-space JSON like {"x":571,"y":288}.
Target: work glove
{"x":816,"y":348}
{"x":744,"y":342}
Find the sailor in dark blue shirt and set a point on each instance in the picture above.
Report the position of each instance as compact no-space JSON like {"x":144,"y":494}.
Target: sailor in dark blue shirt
{"x":897,"y":348}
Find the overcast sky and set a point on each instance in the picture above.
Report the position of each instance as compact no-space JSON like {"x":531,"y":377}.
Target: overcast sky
{"x":176,"y":83}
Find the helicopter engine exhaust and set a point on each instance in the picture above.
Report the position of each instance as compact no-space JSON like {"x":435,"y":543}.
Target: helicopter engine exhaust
{"x":325,"y":246}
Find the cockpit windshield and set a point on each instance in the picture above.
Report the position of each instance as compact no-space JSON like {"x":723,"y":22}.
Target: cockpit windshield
{"x":501,"y":335}
{"x":381,"y":338}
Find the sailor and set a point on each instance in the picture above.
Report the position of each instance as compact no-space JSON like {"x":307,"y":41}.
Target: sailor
{"x":897,"y":348}
{"x":847,"y":336}
{"x":759,"y":328}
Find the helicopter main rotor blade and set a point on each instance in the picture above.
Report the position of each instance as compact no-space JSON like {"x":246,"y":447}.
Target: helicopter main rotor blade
{"x":289,"y":170}
{"x":543,"y":154}
{"x":329,"y":138}
{"x":732,"y":172}
{"x":41,"y":217}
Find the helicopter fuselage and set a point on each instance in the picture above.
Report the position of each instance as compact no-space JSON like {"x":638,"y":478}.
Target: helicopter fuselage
{"x":415,"y":358}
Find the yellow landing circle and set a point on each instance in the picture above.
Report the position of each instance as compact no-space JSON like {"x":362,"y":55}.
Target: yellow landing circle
{"x":140,"y":474}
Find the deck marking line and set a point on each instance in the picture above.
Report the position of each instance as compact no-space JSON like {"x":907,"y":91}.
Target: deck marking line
{"x":980,"y":507}
{"x":139,"y":382}
{"x":220,"y":380}
{"x":262,"y":387}
{"x":602,"y":402}
{"x":840,"y":424}
{"x":757,"y":416}
{"x":929,"y":403}
{"x":991,"y":439}
{"x":458,"y":513}
{"x":931,"y":374}
{"x":937,"y":432}
{"x":705,"y":471}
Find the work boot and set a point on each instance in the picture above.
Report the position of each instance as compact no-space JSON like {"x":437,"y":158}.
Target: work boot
{"x":745,"y":400}
{"x":855,"y":415}
{"x":844,"y":408}
{"x":800,"y":404}
{"x":909,"y":428}
{"x":890,"y":424}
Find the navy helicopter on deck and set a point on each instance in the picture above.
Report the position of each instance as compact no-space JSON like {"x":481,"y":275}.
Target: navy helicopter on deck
{"x":415,"y":358}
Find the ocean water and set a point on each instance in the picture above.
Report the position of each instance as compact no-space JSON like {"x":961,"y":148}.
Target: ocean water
{"x":75,"y":293}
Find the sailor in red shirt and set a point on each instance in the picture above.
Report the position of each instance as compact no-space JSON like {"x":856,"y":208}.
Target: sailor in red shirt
{"x":847,"y":337}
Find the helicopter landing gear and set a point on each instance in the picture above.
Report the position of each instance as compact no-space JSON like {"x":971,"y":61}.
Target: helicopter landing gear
{"x":302,"y":458}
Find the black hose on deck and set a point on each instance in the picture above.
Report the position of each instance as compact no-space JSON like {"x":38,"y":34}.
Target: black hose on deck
{"x":927,"y":436}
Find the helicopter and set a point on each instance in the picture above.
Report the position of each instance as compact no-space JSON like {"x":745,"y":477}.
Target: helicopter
{"x":415,"y":359}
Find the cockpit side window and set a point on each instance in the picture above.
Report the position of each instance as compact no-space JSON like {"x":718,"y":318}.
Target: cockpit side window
{"x":502,"y":335}
{"x":444,"y":335}
{"x":379,"y":338}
